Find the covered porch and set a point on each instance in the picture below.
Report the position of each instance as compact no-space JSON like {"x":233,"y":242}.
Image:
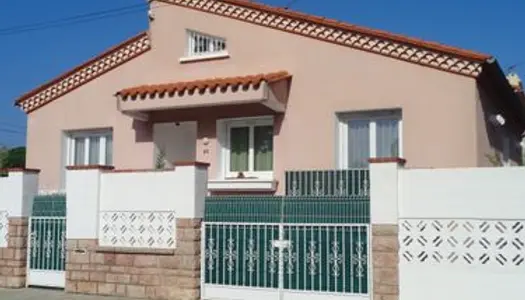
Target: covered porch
{"x":229,"y":122}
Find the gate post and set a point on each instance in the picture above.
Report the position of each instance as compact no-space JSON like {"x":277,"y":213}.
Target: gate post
{"x":384,"y":219}
{"x":82,"y":190}
{"x":17,"y":191}
{"x":188,"y":233}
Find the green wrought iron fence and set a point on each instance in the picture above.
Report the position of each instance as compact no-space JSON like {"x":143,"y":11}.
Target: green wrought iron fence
{"x":350,"y":182}
{"x":47,"y":243}
{"x":315,"y":238}
{"x":287,"y":209}
{"x":49,"y":205}
{"x":319,"y":257}
{"x":326,"y":209}
{"x":264,"y":209}
{"x":241,"y":254}
{"x":47,"y":236}
{"x":326,"y":258}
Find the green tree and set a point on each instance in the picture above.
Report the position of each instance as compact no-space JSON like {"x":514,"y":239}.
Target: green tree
{"x":13,"y":158}
{"x":3,"y":154}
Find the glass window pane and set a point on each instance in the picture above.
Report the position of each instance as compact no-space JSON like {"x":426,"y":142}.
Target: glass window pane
{"x":94,"y":150}
{"x":239,"y":146}
{"x":263,"y":148}
{"x":79,"y":154}
{"x":109,"y":150}
{"x":387,"y":138}
{"x":358,"y":143}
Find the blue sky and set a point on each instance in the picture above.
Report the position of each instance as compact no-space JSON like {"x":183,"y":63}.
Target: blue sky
{"x":29,"y":59}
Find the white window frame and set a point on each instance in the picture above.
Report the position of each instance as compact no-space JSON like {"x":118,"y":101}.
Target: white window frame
{"x":372,"y":117}
{"x":224,"y":134}
{"x":191,"y":55}
{"x":103,"y":134}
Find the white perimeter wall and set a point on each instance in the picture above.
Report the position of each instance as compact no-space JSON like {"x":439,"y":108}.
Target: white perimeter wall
{"x":7,"y":191}
{"x":150,"y":191}
{"x":462,"y":233}
{"x":133,"y":209}
{"x":17,"y":191}
{"x":141,"y":209}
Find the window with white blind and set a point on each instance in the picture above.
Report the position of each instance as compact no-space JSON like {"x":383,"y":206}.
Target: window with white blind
{"x":369,"y":135}
{"x":248,"y":147}
{"x":200,"y":44}
{"x":90,"y":148}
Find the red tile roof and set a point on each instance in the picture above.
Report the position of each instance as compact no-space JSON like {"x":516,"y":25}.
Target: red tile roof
{"x":203,"y":84}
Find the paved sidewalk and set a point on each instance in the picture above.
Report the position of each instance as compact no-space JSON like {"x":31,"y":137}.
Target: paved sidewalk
{"x":46,"y":294}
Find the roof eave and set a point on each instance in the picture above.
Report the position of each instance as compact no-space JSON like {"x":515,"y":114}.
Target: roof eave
{"x":434,"y":46}
{"x":63,"y":76}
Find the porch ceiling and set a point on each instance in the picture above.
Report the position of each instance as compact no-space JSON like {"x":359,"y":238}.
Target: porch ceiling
{"x":270,"y":90}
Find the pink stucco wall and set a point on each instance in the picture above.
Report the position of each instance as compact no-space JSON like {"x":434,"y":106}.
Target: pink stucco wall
{"x":439,"y":109}
{"x":89,"y":107}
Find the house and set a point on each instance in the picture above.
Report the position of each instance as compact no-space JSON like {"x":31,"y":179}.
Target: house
{"x":257,"y":90}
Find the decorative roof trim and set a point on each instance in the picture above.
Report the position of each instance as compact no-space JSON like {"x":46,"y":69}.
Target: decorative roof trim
{"x":430,"y":54}
{"x":84,"y":73}
{"x":202,"y":85}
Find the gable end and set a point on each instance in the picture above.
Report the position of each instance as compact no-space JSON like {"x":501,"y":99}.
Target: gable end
{"x":429,"y":54}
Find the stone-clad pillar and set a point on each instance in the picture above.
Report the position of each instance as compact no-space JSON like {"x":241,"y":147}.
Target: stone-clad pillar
{"x":385,"y":248}
{"x":384,"y":221}
{"x":13,"y":266}
{"x":17,"y":191}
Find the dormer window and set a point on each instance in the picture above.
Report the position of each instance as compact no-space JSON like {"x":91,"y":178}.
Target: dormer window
{"x":203,"y":46}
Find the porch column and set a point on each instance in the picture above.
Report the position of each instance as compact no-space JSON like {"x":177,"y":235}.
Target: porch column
{"x":384,"y":219}
{"x":82,"y":190}
{"x":17,"y":191}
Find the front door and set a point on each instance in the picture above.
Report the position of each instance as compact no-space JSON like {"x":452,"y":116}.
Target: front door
{"x":175,"y":142}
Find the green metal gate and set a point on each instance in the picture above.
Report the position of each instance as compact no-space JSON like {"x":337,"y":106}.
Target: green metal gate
{"x":47,"y":241}
{"x":270,"y":246}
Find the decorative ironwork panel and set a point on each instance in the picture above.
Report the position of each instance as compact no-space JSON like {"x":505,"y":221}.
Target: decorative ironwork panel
{"x":138,"y":229}
{"x":327,"y":258}
{"x":351,"y":183}
{"x":4,"y":228}
{"x":321,"y":258}
{"x":241,"y":254}
{"x":472,"y":242}
{"x":47,"y":243}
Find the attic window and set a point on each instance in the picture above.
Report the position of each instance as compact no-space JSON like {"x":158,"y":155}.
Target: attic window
{"x":204,"y":46}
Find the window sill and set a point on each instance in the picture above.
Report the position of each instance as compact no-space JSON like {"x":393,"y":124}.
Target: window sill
{"x":243,"y":184}
{"x":205,"y":57}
